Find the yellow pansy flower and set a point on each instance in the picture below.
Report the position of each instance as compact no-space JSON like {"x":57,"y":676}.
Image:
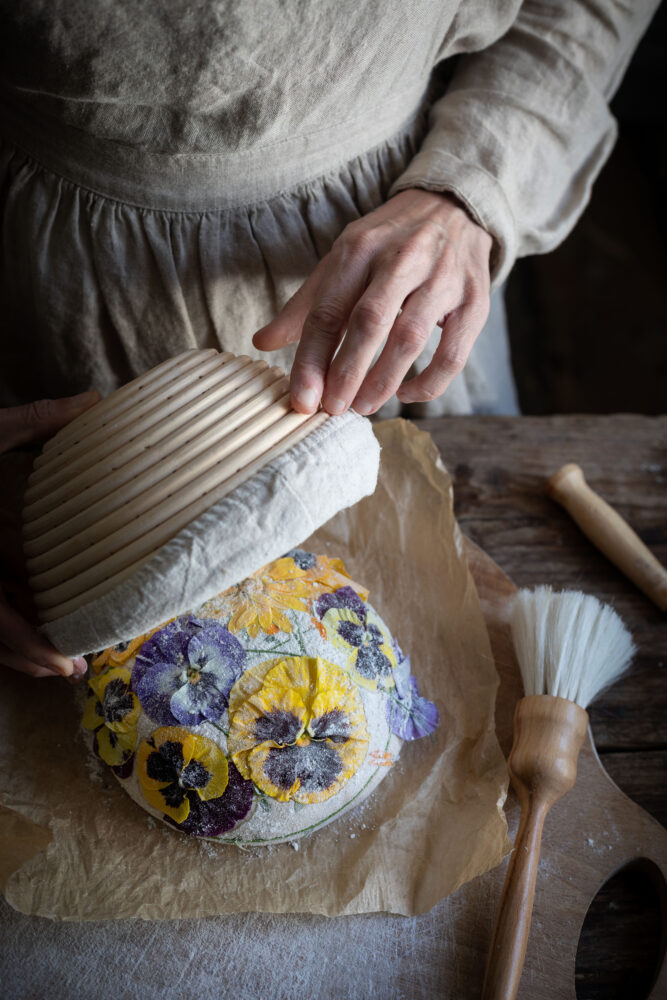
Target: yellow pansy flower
{"x":111,"y":713}
{"x":353,"y":627}
{"x":176,"y":768}
{"x":321,"y":574}
{"x":260,"y":601}
{"x":297,"y":728}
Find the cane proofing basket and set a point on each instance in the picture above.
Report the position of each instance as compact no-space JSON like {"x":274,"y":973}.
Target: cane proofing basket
{"x":176,"y":486}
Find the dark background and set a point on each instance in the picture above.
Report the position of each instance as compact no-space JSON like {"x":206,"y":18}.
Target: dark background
{"x":588,"y":327}
{"x":588,"y":322}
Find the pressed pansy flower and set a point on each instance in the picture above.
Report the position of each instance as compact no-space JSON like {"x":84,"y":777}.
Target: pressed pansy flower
{"x":297,"y":728}
{"x":322,"y":574}
{"x":260,"y":601}
{"x":184,"y":672}
{"x":354,"y":627}
{"x":116,"y":656}
{"x":111,"y":713}
{"x":217,"y":816}
{"x":187,"y":777}
{"x":408,"y":714}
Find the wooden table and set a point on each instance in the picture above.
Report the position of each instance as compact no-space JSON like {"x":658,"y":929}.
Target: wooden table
{"x":498,"y":465}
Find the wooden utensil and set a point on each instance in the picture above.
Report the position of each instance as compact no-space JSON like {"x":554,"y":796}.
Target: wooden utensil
{"x":569,"y":647}
{"x":609,"y":532}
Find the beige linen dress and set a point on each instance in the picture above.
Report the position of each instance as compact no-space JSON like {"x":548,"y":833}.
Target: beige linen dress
{"x":171,"y":172}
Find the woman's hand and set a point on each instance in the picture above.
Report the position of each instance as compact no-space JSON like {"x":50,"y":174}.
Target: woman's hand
{"x":36,"y":421}
{"x":22,"y":647}
{"x":421,"y":255}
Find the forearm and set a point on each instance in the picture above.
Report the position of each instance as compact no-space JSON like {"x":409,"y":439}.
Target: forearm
{"x":525,"y":126}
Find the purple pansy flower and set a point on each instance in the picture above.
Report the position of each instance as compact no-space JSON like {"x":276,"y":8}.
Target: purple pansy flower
{"x":217,"y":816}
{"x":408,"y":714}
{"x":124,"y":770}
{"x":350,"y":622}
{"x":344,"y":597}
{"x":304,"y":560}
{"x":183,"y":674}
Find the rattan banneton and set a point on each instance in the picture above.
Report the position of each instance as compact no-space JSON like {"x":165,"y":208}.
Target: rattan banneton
{"x":126,"y":476}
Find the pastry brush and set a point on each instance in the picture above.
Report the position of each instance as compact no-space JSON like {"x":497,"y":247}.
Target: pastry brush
{"x":570,"y":647}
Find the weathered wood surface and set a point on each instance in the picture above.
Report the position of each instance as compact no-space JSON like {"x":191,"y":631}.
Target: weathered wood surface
{"x":594,"y":831}
{"x":498,"y":466}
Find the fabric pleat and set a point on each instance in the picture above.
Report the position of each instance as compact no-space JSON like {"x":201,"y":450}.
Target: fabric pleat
{"x":96,"y":291}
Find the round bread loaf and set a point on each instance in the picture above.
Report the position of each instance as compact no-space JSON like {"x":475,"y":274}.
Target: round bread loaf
{"x":262,"y":715}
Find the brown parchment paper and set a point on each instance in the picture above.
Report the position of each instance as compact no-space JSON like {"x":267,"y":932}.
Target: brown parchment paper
{"x":435,"y":822}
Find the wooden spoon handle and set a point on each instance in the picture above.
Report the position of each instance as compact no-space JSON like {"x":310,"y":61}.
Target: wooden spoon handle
{"x":512,"y":927}
{"x":609,"y":532}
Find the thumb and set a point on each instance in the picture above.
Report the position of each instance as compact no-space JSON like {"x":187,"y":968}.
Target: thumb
{"x":41,"y":419}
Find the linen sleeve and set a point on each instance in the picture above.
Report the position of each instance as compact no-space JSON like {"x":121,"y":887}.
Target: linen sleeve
{"x":524,"y":127}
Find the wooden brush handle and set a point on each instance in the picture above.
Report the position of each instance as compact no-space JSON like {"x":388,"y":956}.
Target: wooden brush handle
{"x":609,"y":532}
{"x":548,"y":735}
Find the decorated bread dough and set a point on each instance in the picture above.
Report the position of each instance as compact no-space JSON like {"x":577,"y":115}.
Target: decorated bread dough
{"x":264,"y":714}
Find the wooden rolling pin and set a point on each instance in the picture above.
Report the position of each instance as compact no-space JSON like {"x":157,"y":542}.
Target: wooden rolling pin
{"x":609,"y":532}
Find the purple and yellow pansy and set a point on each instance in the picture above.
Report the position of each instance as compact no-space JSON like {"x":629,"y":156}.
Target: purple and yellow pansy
{"x":111,"y":714}
{"x":297,"y":728}
{"x":187,"y":777}
{"x":353,"y":626}
{"x":184,"y":672}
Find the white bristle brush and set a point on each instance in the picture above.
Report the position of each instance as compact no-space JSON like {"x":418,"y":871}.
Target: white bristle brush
{"x":570,"y":647}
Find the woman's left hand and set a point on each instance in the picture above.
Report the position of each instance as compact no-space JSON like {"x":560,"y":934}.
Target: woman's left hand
{"x":415,"y":262}
{"x":22,"y":647}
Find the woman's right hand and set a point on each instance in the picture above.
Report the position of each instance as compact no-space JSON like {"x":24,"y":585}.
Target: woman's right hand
{"x":22,"y":647}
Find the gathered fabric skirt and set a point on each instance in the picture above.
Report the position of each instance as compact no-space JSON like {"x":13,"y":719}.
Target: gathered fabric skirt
{"x":101,"y":281}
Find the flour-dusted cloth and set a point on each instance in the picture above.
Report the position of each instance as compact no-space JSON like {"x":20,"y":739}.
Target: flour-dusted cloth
{"x":258,"y":956}
{"x":272,"y":512}
{"x":172,"y":172}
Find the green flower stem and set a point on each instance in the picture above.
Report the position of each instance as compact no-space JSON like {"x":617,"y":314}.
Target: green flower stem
{"x":300,"y":638}
{"x":273,"y":649}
